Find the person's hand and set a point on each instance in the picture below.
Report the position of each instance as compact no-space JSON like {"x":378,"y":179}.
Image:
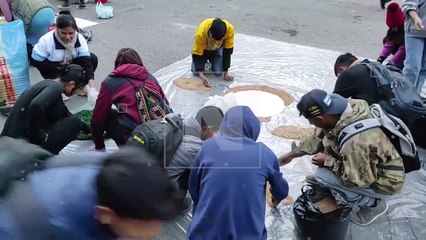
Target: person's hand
{"x":319,"y":159}
{"x":227,"y":77}
{"x":274,"y":203}
{"x":205,"y":81}
{"x":418,"y":23}
{"x":285,"y":159}
{"x":86,"y":128}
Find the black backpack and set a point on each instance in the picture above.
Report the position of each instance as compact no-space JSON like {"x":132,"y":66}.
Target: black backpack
{"x":398,"y":95}
{"x":160,"y":137}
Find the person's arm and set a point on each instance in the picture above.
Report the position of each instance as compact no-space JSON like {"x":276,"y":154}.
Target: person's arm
{"x":308,"y":146}
{"x":198,"y":58}
{"x":410,"y":8}
{"x":228,"y":49}
{"x":83,"y":59}
{"x":399,"y":56}
{"x":100,"y":114}
{"x":279,"y":186}
{"x":37,"y":124}
{"x":386,"y":51}
{"x":39,"y":57}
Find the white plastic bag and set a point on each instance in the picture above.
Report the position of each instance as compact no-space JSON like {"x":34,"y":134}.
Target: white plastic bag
{"x":92,"y":96}
{"x":104,"y":12}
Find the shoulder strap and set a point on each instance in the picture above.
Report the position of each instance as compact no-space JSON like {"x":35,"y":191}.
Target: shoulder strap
{"x":356,"y":128}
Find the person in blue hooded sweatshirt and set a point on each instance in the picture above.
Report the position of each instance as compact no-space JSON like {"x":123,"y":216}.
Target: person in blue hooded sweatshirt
{"x":227,"y":182}
{"x":86,"y":196}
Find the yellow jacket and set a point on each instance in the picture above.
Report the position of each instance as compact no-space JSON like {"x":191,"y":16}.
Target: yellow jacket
{"x":203,"y":42}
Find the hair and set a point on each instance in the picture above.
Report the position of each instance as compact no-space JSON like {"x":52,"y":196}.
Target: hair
{"x":344,"y":60}
{"x":132,"y":184}
{"x":73,"y":72}
{"x":210,"y":116}
{"x":395,"y":37}
{"x":65,"y":19}
{"x":218,"y":29}
{"x":127,"y":55}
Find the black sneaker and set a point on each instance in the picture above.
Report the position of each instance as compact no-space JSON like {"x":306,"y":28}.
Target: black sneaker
{"x":185,"y":205}
{"x":65,"y":5}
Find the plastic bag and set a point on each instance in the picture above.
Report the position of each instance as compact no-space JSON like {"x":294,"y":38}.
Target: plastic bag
{"x":312,"y":223}
{"x":14,"y":74}
{"x":104,"y":12}
{"x":92,"y":96}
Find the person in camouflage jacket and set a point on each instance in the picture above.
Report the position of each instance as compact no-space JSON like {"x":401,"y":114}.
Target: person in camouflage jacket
{"x":364,"y":168}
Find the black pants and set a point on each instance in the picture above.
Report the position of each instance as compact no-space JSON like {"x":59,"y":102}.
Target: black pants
{"x":50,"y":70}
{"x":113,"y":129}
{"x":61,"y":133}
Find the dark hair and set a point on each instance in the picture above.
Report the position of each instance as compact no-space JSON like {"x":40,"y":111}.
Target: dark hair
{"x":218,"y":29}
{"x":65,"y":19}
{"x":395,"y":37}
{"x":73,"y":72}
{"x":132,"y":183}
{"x":344,"y":60}
{"x":209,"y":116}
{"x":127,"y":55}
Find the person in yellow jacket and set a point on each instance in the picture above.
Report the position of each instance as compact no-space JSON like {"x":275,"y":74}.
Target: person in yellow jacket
{"x":214,"y":42}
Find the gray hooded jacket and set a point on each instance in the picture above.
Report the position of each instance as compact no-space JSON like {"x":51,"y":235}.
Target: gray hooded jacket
{"x":420,"y":7}
{"x":184,"y":158}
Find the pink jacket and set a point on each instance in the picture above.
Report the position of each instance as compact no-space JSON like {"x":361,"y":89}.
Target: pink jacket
{"x":398,"y":52}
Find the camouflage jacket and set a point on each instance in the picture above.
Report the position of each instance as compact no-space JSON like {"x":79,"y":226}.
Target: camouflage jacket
{"x":368,"y":159}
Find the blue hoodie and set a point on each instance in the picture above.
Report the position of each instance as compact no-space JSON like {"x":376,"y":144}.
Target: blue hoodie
{"x":68,"y":195}
{"x":227,"y":183}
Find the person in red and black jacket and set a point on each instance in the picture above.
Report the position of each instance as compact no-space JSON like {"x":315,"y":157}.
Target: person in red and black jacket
{"x":118,"y":89}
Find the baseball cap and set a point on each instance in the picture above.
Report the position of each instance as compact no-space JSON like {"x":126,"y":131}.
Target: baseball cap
{"x":317,"y":102}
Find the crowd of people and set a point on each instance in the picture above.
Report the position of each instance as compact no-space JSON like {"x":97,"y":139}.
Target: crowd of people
{"x":220,"y":169}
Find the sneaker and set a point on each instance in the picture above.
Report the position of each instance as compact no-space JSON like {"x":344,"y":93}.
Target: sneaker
{"x":310,"y":179}
{"x":64,"y":5}
{"x":366,"y":215}
{"x":185,"y":205}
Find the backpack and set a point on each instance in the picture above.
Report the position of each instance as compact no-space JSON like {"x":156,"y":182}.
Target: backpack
{"x":150,"y":105}
{"x":160,"y":137}
{"x":399,"y":96}
{"x":394,"y":128}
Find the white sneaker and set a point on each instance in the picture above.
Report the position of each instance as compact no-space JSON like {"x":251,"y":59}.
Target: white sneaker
{"x":367,"y":215}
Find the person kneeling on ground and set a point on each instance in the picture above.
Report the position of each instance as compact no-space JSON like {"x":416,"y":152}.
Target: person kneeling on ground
{"x":365,"y":168}
{"x":65,"y":45}
{"x":120,"y":88}
{"x":40,"y":115}
{"x":195,"y":130}
{"x":214,"y":41}
{"x":124,"y":195}
{"x":228,"y":181}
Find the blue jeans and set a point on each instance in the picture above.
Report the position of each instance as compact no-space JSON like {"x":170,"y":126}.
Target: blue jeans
{"x":362,"y":197}
{"x":39,"y":25}
{"x":215,"y":59}
{"x":415,"y":61}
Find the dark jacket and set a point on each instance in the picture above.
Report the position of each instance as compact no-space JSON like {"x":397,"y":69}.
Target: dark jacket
{"x":227,"y":182}
{"x":117,"y":89}
{"x":35,"y":111}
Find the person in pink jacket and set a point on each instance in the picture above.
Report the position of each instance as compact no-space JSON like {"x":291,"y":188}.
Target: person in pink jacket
{"x":393,"y":43}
